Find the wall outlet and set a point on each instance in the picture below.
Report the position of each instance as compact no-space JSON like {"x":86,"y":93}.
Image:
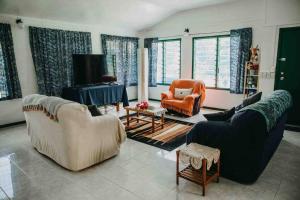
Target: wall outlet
{"x":267,"y":74}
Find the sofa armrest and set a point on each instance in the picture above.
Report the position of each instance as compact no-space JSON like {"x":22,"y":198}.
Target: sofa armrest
{"x":211,"y":133}
{"x":220,"y":116}
{"x":166,"y":95}
{"x":109,"y":125}
{"x":191,"y":97}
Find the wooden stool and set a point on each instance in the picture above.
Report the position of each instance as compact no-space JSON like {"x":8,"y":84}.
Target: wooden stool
{"x":199,"y":176}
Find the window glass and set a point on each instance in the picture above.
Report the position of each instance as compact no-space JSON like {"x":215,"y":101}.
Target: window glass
{"x":205,"y":60}
{"x":224,"y":63}
{"x":168,"y":61}
{"x":212,"y":61}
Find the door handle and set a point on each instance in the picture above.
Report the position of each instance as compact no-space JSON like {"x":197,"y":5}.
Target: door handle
{"x":282,"y":59}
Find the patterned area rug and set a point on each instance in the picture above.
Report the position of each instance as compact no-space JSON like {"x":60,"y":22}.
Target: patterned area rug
{"x":169,"y":138}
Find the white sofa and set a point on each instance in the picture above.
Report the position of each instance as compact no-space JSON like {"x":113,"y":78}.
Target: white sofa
{"x":76,"y":140}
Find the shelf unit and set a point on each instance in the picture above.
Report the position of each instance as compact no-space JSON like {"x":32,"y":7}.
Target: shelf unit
{"x":252,"y":75}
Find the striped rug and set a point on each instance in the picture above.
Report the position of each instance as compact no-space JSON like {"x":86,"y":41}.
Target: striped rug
{"x":169,"y":138}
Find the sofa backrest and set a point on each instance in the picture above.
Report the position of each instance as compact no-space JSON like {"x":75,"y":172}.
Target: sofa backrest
{"x":248,"y":121}
{"x":51,"y":106}
{"x":272,"y":107}
{"x":187,"y":83}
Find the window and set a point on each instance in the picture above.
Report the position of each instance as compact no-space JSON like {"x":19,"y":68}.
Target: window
{"x":168,"y":61}
{"x":9,"y":80}
{"x":3,"y":82}
{"x":211,"y":61}
{"x":125,"y":50}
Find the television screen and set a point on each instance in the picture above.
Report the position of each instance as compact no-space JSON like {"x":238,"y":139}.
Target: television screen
{"x":88,"y":68}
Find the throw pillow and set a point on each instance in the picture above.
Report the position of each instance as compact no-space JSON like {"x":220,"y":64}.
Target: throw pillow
{"x":94,"y":110}
{"x":250,"y":100}
{"x":180,"y":93}
{"x":220,"y":116}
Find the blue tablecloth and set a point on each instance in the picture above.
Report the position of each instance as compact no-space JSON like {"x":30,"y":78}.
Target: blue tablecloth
{"x":99,"y":95}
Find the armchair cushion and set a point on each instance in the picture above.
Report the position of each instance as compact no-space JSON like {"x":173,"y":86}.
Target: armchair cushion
{"x":181,"y":93}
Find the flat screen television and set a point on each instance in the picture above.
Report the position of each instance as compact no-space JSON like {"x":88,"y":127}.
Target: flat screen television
{"x":88,"y":68}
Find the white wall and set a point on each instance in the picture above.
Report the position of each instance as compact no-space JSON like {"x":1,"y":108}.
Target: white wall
{"x":265,"y":16}
{"x":10,"y":111}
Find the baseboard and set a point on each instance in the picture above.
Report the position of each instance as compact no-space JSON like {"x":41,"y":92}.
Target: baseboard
{"x":12,"y":124}
{"x":154,"y":100}
{"x":290,"y":127}
{"x":207,"y":107}
{"x":132,"y":100}
{"x":214,"y":108}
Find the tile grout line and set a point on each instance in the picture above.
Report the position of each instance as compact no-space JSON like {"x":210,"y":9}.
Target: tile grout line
{"x":115,"y":183}
{"x":4,"y":193}
{"x":138,"y":196}
{"x":17,"y":166}
{"x":277,"y":190}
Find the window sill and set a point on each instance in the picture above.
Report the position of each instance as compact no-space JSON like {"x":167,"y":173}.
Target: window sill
{"x":164,"y":84}
{"x":5,"y":99}
{"x":214,"y":88}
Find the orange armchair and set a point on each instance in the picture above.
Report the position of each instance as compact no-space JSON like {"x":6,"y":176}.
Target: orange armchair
{"x":191,"y":104}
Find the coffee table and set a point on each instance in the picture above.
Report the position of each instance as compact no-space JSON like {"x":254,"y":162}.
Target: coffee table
{"x":151,"y":111}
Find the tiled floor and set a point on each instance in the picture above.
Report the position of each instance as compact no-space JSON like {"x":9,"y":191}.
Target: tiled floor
{"x":138,"y":172}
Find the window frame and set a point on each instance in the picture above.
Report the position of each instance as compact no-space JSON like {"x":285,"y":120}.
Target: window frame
{"x":163,"y":60}
{"x":217,"y":58}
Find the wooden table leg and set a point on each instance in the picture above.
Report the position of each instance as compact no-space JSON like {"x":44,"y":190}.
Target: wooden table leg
{"x":177,"y":167}
{"x":203,"y":176}
{"x":218,"y":171}
{"x":127,"y":116}
{"x":162,"y":121}
{"x":118,"y":107}
{"x":153,"y":124}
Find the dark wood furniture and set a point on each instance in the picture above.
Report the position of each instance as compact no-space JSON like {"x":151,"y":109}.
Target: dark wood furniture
{"x":201,"y":176}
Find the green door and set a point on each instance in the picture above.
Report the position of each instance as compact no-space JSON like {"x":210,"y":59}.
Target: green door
{"x":288,"y":69}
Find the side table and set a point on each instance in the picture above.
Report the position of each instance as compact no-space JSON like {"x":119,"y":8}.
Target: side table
{"x":203,"y":164}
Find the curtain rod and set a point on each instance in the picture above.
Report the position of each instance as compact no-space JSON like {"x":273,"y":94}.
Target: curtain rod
{"x":199,"y":33}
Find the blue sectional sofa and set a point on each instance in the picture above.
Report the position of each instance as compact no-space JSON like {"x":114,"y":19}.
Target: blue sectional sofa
{"x":246,"y":140}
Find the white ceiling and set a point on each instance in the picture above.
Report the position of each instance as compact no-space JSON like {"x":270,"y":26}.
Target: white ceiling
{"x":132,"y":14}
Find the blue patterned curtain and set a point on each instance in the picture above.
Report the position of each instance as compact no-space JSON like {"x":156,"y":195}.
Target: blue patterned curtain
{"x":9,"y":80}
{"x":151,"y":44}
{"x":240,"y":44}
{"x":52,"y":56}
{"x":125,"y":50}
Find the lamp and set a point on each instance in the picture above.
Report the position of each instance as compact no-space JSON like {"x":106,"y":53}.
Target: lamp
{"x":186,"y":32}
